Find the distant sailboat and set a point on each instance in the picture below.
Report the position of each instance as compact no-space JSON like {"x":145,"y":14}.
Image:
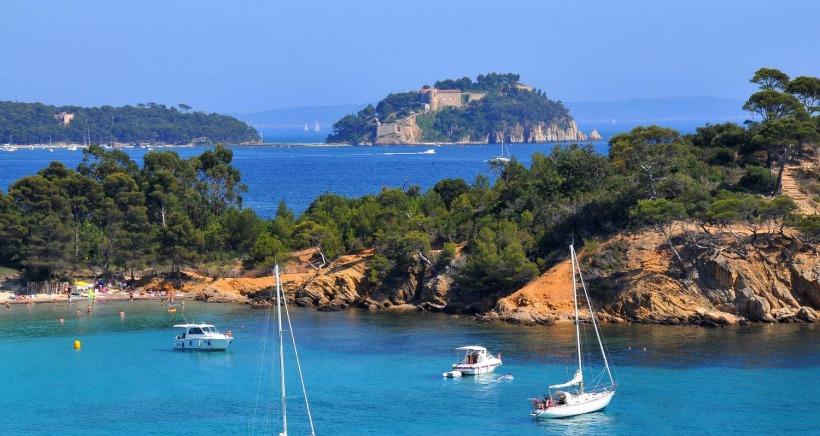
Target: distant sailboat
{"x":316,"y":128}
{"x":306,"y":128}
{"x":504,"y":157}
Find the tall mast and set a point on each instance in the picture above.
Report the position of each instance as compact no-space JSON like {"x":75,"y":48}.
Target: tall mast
{"x":595,"y":325}
{"x":575,"y":300}
{"x":281,"y":352}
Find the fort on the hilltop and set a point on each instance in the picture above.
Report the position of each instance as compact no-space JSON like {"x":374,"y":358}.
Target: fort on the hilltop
{"x":437,"y":99}
{"x":405,"y":130}
{"x":434,"y":100}
{"x":64,"y":118}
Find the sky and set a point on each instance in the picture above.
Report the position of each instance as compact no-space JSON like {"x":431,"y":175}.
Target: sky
{"x":249,"y":56}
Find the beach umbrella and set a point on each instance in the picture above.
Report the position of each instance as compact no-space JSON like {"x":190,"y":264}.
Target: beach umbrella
{"x":80,"y":284}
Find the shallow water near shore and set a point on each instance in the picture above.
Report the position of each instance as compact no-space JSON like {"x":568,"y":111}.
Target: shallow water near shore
{"x":380,"y":373}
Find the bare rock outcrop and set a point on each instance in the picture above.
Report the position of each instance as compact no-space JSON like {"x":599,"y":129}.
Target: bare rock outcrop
{"x":335,"y":287}
{"x":213,"y":294}
{"x":405,"y":131}
{"x":595,"y":136}
{"x":713,"y":288}
{"x":632,"y":278}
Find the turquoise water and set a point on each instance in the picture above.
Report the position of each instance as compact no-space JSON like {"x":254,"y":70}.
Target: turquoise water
{"x":380,"y":373}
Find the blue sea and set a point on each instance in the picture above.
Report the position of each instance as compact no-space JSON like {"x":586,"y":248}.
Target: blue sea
{"x":298,"y":174}
{"x":379,"y":373}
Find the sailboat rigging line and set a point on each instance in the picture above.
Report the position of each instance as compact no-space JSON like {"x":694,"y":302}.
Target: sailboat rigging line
{"x":299,"y":367}
{"x":577,"y":324}
{"x":261,"y":371}
{"x":281,"y":354}
{"x":592,"y":315}
{"x":279,"y":303}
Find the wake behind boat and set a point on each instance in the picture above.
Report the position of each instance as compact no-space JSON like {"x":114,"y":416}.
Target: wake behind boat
{"x":200,"y":337}
{"x":582,"y":399}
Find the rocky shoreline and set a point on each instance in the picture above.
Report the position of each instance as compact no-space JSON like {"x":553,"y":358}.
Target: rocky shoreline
{"x":632,"y":279}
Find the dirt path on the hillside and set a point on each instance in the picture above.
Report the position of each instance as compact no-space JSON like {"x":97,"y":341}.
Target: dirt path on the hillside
{"x":791,"y":188}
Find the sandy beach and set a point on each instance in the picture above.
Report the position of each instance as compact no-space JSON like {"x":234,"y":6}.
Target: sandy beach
{"x":114,"y":295}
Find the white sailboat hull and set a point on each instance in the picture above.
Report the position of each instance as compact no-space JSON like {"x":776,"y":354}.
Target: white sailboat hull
{"x":576,"y":405}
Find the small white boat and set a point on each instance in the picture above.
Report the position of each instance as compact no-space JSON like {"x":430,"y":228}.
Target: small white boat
{"x":200,"y":337}
{"x":452,"y":374}
{"x":476,"y":360}
{"x":429,"y":151}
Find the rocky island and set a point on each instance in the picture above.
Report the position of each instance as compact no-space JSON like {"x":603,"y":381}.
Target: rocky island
{"x":496,"y":108}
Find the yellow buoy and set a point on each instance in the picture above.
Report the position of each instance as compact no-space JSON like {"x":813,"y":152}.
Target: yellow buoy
{"x":77,"y":345}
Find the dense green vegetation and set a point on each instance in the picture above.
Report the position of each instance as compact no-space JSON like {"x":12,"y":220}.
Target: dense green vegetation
{"x":35,"y":123}
{"x":113,"y":216}
{"x":506,"y":104}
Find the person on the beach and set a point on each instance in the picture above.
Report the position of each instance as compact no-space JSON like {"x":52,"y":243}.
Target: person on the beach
{"x":8,"y":306}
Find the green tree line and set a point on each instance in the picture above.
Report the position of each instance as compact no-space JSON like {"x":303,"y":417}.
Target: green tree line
{"x":35,"y":123}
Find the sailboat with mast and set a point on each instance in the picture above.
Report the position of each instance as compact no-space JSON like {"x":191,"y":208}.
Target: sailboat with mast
{"x":505,"y":156}
{"x":282,"y":309}
{"x":584,"y":396}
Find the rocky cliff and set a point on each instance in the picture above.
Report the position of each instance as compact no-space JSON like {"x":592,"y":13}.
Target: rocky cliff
{"x":406,"y":131}
{"x":636,"y":279}
{"x":631,"y":278}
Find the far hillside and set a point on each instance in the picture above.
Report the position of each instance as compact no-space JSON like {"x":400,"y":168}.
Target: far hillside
{"x":37,"y":123}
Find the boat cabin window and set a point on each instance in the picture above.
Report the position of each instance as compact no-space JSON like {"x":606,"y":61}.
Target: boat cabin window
{"x":195,"y":331}
{"x":209,"y":330}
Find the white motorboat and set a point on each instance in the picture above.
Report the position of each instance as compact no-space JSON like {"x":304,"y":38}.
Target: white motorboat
{"x":200,"y":337}
{"x":582,"y":399}
{"x":476,"y":360}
